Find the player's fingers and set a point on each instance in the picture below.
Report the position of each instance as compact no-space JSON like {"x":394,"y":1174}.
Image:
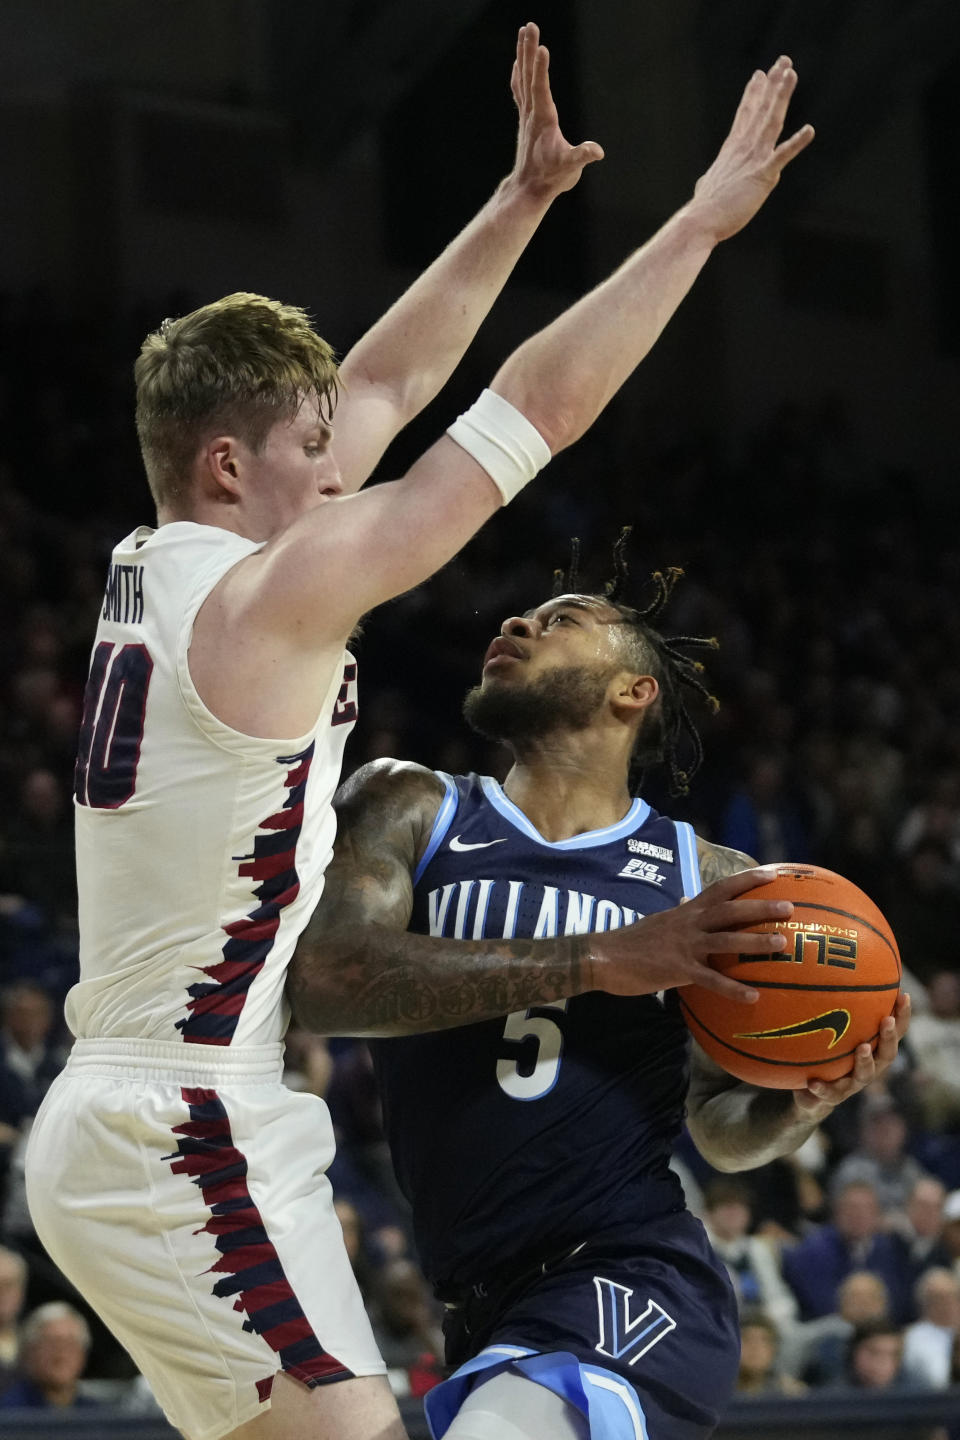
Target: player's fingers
{"x":901,"y":1014}
{"x":758,"y":99}
{"x":540,"y":79}
{"x":738,"y":914}
{"x":783,"y":80}
{"x":864,"y":1065}
{"x":515,"y":88}
{"x":747,"y":942}
{"x":888,"y":1042}
{"x":834,"y":1092}
{"x":526,"y":49}
{"x":586,"y":152}
{"x":808,"y":1102}
{"x":791,"y":148}
{"x":711,"y":979}
{"x":749,"y":101}
{"x":732,"y":885}
{"x":771,"y":102}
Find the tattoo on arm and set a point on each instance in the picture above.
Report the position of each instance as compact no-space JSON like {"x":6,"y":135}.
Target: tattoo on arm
{"x":386,"y":982}
{"x":357,"y":971}
{"x":734,"y":1125}
{"x":716,"y":861}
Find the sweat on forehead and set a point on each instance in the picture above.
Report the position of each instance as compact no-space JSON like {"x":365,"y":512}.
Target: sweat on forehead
{"x":595,"y":605}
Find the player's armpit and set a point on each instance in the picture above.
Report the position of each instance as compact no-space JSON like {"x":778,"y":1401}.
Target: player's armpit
{"x":719,"y":860}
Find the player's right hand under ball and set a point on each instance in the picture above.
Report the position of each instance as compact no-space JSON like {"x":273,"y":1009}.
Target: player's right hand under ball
{"x":672,"y":948}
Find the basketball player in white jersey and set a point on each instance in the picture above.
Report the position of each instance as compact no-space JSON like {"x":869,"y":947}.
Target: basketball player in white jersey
{"x":170,"y":1174}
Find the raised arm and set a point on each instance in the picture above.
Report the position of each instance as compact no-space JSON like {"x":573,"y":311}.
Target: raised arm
{"x":393,"y":536}
{"x":563,"y":377}
{"x":407,"y":357}
{"x":737,"y":1126}
{"x":358,"y":971}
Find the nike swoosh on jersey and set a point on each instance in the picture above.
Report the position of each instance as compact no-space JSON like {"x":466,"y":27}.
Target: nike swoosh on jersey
{"x":836,"y":1020}
{"x":457,"y":844}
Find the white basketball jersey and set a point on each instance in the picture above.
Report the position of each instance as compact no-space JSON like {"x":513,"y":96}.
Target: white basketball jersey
{"x":200,"y":851}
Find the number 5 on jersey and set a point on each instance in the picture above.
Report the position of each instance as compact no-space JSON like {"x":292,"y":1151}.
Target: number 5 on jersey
{"x":111,"y":731}
{"x":521,"y":1025}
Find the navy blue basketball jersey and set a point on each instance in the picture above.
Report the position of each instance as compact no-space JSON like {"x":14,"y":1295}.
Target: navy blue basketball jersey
{"x":516,"y":1137}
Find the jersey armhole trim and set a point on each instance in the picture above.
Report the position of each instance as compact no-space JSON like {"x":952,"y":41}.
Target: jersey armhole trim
{"x":689,"y":859}
{"x":217,"y":731}
{"x":448,"y":808}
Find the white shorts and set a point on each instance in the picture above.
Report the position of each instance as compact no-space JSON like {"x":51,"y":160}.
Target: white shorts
{"x":185,"y":1197}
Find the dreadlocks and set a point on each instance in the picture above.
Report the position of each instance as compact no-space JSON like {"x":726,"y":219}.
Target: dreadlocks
{"x":669,"y":732}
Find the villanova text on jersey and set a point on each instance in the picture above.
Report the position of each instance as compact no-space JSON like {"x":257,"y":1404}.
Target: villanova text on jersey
{"x":515,"y":1137}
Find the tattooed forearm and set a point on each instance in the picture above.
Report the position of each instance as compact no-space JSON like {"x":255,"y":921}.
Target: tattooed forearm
{"x":395,"y":983}
{"x":737,"y":1126}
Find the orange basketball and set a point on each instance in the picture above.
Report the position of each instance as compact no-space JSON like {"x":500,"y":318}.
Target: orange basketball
{"x":820,"y":998}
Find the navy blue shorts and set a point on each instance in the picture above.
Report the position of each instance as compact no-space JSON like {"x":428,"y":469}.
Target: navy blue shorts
{"x":638,"y":1331}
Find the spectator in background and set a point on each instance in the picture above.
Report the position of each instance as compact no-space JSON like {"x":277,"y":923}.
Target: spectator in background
{"x":936,"y":816}
{"x":935,"y":1043}
{"x":950,"y":1235}
{"x":762,"y":819}
{"x":760,"y":1372}
{"x":858,"y":846}
{"x":406,"y":1328}
{"x":39,"y":859}
{"x":854,"y":1239}
{"x":29,"y":1061}
{"x":919,"y":1236}
{"x":30,"y":1058}
{"x":881,"y":1158}
{"x":875,"y":1358}
{"x":924,"y":910}
{"x":54,"y":1345}
{"x":13,"y":1290}
{"x":307,"y":1062}
{"x":752,"y":1262}
{"x":355,"y":1245}
{"x":362,"y":1170}
{"x":818,"y":1349}
{"x":929,"y":1341}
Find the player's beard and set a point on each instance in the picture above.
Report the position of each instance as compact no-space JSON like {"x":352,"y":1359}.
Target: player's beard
{"x":558,"y":699}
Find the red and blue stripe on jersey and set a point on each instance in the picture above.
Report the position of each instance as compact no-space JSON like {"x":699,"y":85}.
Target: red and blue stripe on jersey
{"x":217,"y":1003}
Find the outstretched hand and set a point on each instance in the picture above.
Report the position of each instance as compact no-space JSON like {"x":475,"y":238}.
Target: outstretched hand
{"x":752,"y":157}
{"x":822,"y":1096}
{"x":546,"y":164}
{"x":672,"y":948}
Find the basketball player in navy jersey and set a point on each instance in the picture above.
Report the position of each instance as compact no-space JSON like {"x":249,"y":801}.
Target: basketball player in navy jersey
{"x":583,"y":1298}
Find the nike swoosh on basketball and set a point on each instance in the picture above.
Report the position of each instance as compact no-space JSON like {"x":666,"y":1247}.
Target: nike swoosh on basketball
{"x":457,"y":844}
{"x":836,"y":1020}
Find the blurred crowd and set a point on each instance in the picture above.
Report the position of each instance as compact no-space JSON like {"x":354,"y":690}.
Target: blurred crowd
{"x":833,"y":591}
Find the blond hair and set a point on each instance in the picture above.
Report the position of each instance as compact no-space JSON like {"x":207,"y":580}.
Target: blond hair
{"x":236,"y":366}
